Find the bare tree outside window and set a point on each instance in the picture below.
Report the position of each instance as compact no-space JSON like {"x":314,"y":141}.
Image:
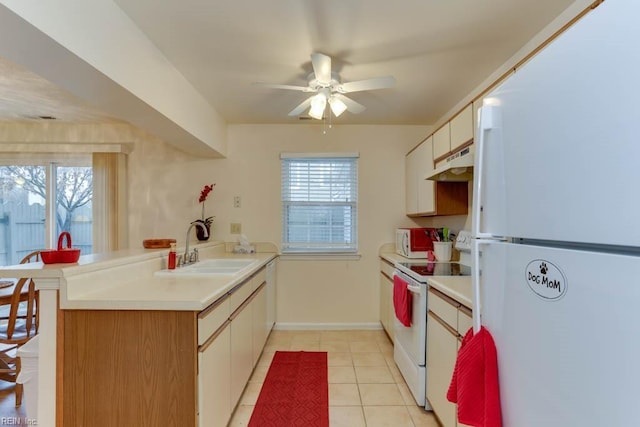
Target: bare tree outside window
{"x":74,"y":188}
{"x":23,"y":212}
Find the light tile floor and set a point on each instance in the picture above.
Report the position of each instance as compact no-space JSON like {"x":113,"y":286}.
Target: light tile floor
{"x":365,"y":386}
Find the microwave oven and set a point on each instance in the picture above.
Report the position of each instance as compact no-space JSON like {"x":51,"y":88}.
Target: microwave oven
{"x":413,"y":242}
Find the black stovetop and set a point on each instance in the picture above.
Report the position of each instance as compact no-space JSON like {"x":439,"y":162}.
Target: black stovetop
{"x":438,"y":268}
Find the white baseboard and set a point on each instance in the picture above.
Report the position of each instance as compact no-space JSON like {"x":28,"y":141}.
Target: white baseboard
{"x":326,"y":326}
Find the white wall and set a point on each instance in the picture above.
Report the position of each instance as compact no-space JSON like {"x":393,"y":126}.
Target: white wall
{"x":166,"y":184}
{"x":316,"y":292}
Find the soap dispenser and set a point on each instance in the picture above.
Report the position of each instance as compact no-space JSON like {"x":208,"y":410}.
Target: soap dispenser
{"x":171,"y":262}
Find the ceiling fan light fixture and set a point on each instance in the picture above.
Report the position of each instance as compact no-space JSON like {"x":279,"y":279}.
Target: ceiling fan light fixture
{"x":318,"y":104}
{"x":327,"y":86}
{"x":337,"y":106}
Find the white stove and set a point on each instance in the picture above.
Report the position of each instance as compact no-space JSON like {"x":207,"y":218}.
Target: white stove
{"x":410,"y":347}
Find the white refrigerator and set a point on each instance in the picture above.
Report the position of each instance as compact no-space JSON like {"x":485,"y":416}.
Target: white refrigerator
{"x":556,"y":221}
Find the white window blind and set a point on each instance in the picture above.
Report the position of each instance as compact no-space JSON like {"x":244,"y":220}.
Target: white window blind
{"x":319,"y":203}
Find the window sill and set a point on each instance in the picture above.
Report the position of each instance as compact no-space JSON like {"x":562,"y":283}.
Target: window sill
{"x":310,"y":256}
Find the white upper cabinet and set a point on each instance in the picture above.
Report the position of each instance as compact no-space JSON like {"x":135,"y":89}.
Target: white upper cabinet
{"x":442,"y":141}
{"x":420,"y":197}
{"x":429,"y":198}
{"x":411,"y":182}
{"x":426,"y":195}
{"x":454,"y":134}
{"x":462,"y":128}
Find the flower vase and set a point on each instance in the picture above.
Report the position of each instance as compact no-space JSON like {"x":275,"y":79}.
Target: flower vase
{"x":200,"y":233}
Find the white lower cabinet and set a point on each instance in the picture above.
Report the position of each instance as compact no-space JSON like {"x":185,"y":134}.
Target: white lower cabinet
{"x":241,"y":349}
{"x":447,"y":321}
{"x":229,"y":346}
{"x":214,"y":379}
{"x":271,"y":279}
{"x":386,"y":300}
{"x":260,"y":322}
{"x":387,"y":312}
{"x":442,"y":349}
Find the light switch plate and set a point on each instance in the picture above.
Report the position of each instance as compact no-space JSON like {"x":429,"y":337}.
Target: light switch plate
{"x":236,"y":228}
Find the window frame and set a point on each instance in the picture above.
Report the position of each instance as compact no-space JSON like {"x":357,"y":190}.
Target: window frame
{"x":311,"y":247}
{"x":50,"y":162}
{"x":109,"y":203}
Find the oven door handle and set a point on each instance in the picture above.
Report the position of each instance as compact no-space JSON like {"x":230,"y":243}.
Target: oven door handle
{"x":414,"y":289}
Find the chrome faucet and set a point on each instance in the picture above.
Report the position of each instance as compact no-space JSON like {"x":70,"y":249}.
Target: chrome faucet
{"x":188,"y":258}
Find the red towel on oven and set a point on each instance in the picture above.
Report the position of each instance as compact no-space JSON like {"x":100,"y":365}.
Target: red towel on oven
{"x":402,"y":300}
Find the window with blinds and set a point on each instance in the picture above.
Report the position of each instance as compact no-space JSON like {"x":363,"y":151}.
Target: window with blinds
{"x":319,"y":203}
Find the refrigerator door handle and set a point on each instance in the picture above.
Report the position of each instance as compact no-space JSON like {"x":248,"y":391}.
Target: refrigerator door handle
{"x":475,"y":279}
{"x":488,"y":117}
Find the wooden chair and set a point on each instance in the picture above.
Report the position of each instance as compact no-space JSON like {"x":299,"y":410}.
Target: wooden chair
{"x":19,"y":326}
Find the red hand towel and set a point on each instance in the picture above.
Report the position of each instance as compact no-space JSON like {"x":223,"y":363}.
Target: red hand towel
{"x":474,"y":384}
{"x":402,"y":301}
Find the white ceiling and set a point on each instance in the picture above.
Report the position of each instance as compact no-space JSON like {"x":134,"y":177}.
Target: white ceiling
{"x":438,"y":51}
{"x":26,"y":97}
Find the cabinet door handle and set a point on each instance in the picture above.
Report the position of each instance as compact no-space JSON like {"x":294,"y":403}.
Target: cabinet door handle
{"x":213,"y":336}
{"x":212,"y":307}
{"x":443,"y":323}
{"x":445,"y":298}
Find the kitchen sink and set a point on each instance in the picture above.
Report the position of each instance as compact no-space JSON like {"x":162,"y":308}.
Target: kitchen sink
{"x":210,"y":267}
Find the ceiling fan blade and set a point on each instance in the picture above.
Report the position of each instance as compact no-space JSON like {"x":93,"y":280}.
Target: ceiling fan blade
{"x":301,"y":107}
{"x":369,"y":84}
{"x":352,"y":106}
{"x":321,"y":67}
{"x":288,"y":87}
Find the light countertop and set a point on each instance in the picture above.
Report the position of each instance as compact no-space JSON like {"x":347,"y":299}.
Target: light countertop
{"x":457,"y":287}
{"x":125,"y":280}
{"x":149,"y":292}
{"x":393,"y":257}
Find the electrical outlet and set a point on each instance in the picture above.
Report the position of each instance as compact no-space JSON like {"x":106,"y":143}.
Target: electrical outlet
{"x":236,"y":228}
{"x":236,"y":202}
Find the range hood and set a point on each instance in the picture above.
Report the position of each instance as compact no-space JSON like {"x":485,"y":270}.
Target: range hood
{"x":455,"y":168}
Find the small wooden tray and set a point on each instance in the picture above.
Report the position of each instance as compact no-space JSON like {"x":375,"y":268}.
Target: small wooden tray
{"x":157,"y":243}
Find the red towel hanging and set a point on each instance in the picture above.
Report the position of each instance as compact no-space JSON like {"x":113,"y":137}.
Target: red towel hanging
{"x":474,"y":384}
{"x":402,"y":301}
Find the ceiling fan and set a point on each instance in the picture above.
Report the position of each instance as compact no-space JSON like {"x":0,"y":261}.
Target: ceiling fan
{"x":329,"y":90}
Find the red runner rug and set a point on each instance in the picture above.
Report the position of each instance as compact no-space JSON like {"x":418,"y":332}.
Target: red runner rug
{"x":295,"y":392}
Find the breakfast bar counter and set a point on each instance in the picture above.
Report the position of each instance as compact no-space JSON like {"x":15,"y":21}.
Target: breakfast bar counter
{"x":124,"y":280}
{"x":115,"y":301}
